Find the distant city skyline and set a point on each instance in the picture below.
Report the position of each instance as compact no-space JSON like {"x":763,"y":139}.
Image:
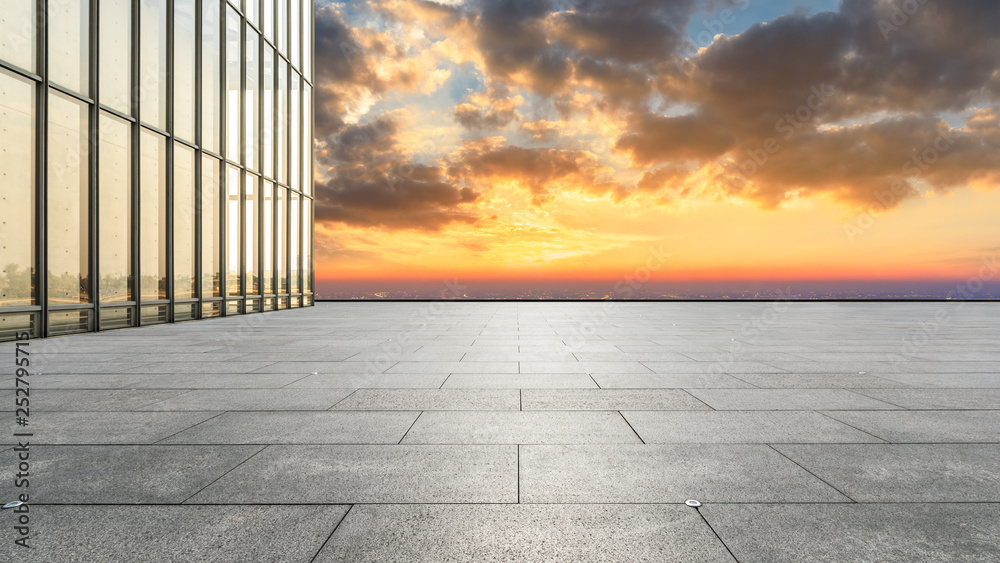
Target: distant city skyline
{"x":631,"y":289}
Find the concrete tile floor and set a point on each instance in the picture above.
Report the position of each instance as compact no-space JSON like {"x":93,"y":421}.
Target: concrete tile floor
{"x":460,"y":431}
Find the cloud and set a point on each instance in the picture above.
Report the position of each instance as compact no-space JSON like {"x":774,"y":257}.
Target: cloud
{"x":803,"y":105}
{"x":374,"y":183}
{"x":542,"y":172}
{"x":623,"y":31}
{"x":488,"y":111}
{"x":652,"y":140}
{"x":408,"y":197}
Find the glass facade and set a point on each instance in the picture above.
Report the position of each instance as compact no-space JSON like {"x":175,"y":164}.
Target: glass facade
{"x":155,"y":161}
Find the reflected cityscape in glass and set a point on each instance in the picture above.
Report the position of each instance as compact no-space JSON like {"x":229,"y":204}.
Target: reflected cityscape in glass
{"x":156,"y":161}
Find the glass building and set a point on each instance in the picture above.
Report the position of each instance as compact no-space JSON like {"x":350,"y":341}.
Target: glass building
{"x":155,"y":161}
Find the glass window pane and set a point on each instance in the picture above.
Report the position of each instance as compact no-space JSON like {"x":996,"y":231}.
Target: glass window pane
{"x":117,"y":317}
{"x":293,"y":240}
{"x":114,"y":188}
{"x":268,"y":237}
{"x":154,"y":315}
{"x":184,"y":214}
{"x":307,"y":140}
{"x":234,"y":74}
{"x":184,"y":68}
{"x":267,"y":19}
{"x":233,"y":270}
{"x":251,"y":235}
{"x":69,"y":322}
{"x":252,"y":101}
{"x":185,"y":312}
{"x":210,"y":228}
{"x":17,"y":198}
{"x":17,"y":33}
{"x":294,"y":137}
{"x":116,"y":56}
{"x":307,"y":45}
{"x":13,"y":324}
{"x":69,"y":44}
{"x":280,"y":238}
{"x":267,"y":115}
{"x":209,"y":310}
{"x":68,"y":201}
{"x":153,"y":216}
{"x":281,"y":144}
{"x":282,"y":23}
{"x":307,"y":244}
{"x":295,"y":38}
{"x":211,"y":77}
{"x":153,"y":62}
{"x":250,"y":10}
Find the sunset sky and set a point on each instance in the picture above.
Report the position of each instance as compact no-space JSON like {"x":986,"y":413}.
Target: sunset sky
{"x":574,"y":139}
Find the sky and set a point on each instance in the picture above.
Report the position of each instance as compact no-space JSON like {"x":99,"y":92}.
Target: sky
{"x":725,"y":140}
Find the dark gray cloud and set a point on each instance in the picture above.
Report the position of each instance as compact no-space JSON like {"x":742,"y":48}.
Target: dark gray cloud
{"x":374,"y":183}
{"x":398,"y":197}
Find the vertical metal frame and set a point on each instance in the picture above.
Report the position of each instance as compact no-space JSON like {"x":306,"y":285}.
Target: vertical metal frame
{"x":93,"y":148}
{"x":136,"y":159}
{"x":41,"y":165}
{"x":311,"y":22}
{"x":170,"y":211}
{"x":223,"y":108}
{"x":199,"y":274}
{"x":242,"y":161}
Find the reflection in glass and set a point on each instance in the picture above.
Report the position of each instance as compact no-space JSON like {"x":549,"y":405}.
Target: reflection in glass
{"x":267,"y":116}
{"x":250,"y":10}
{"x":116,"y":57}
{"x":267,"y":19}
{"x":209,"y":310}
{"x":114,"y":189}
{"x":307,"y":245}
{"x":233,"y":270}
{"x":307,"y":140}
{"x":295,"y":15}
{"x":17,"y":198}
{"x":252,"y":102}
{"x":211,"y":239}
{"x":68,"y":201}
{"x":268,"y":238}
{"x":307,"y":46}
{"x":152,"y":216}
{"x":185,"y":311}
{"x":68,"y":322}
{"x":252,"y":231}
{"x":233,"y":76}
{"x":282,"y":143}
{"x":293,"y":240}
{"x":184,"y":214}
{"x":117,"y":317}
{"x":154,"y":315}
{"x":294,"y":137}
{"x":184,"y":68}
{"x":69,"y":44}
{"x":17,"y":34}
{"x":280,"y":238}
{"x":282,"y":23}
{"x":153,"y":62}
{"x":211,"y":77}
